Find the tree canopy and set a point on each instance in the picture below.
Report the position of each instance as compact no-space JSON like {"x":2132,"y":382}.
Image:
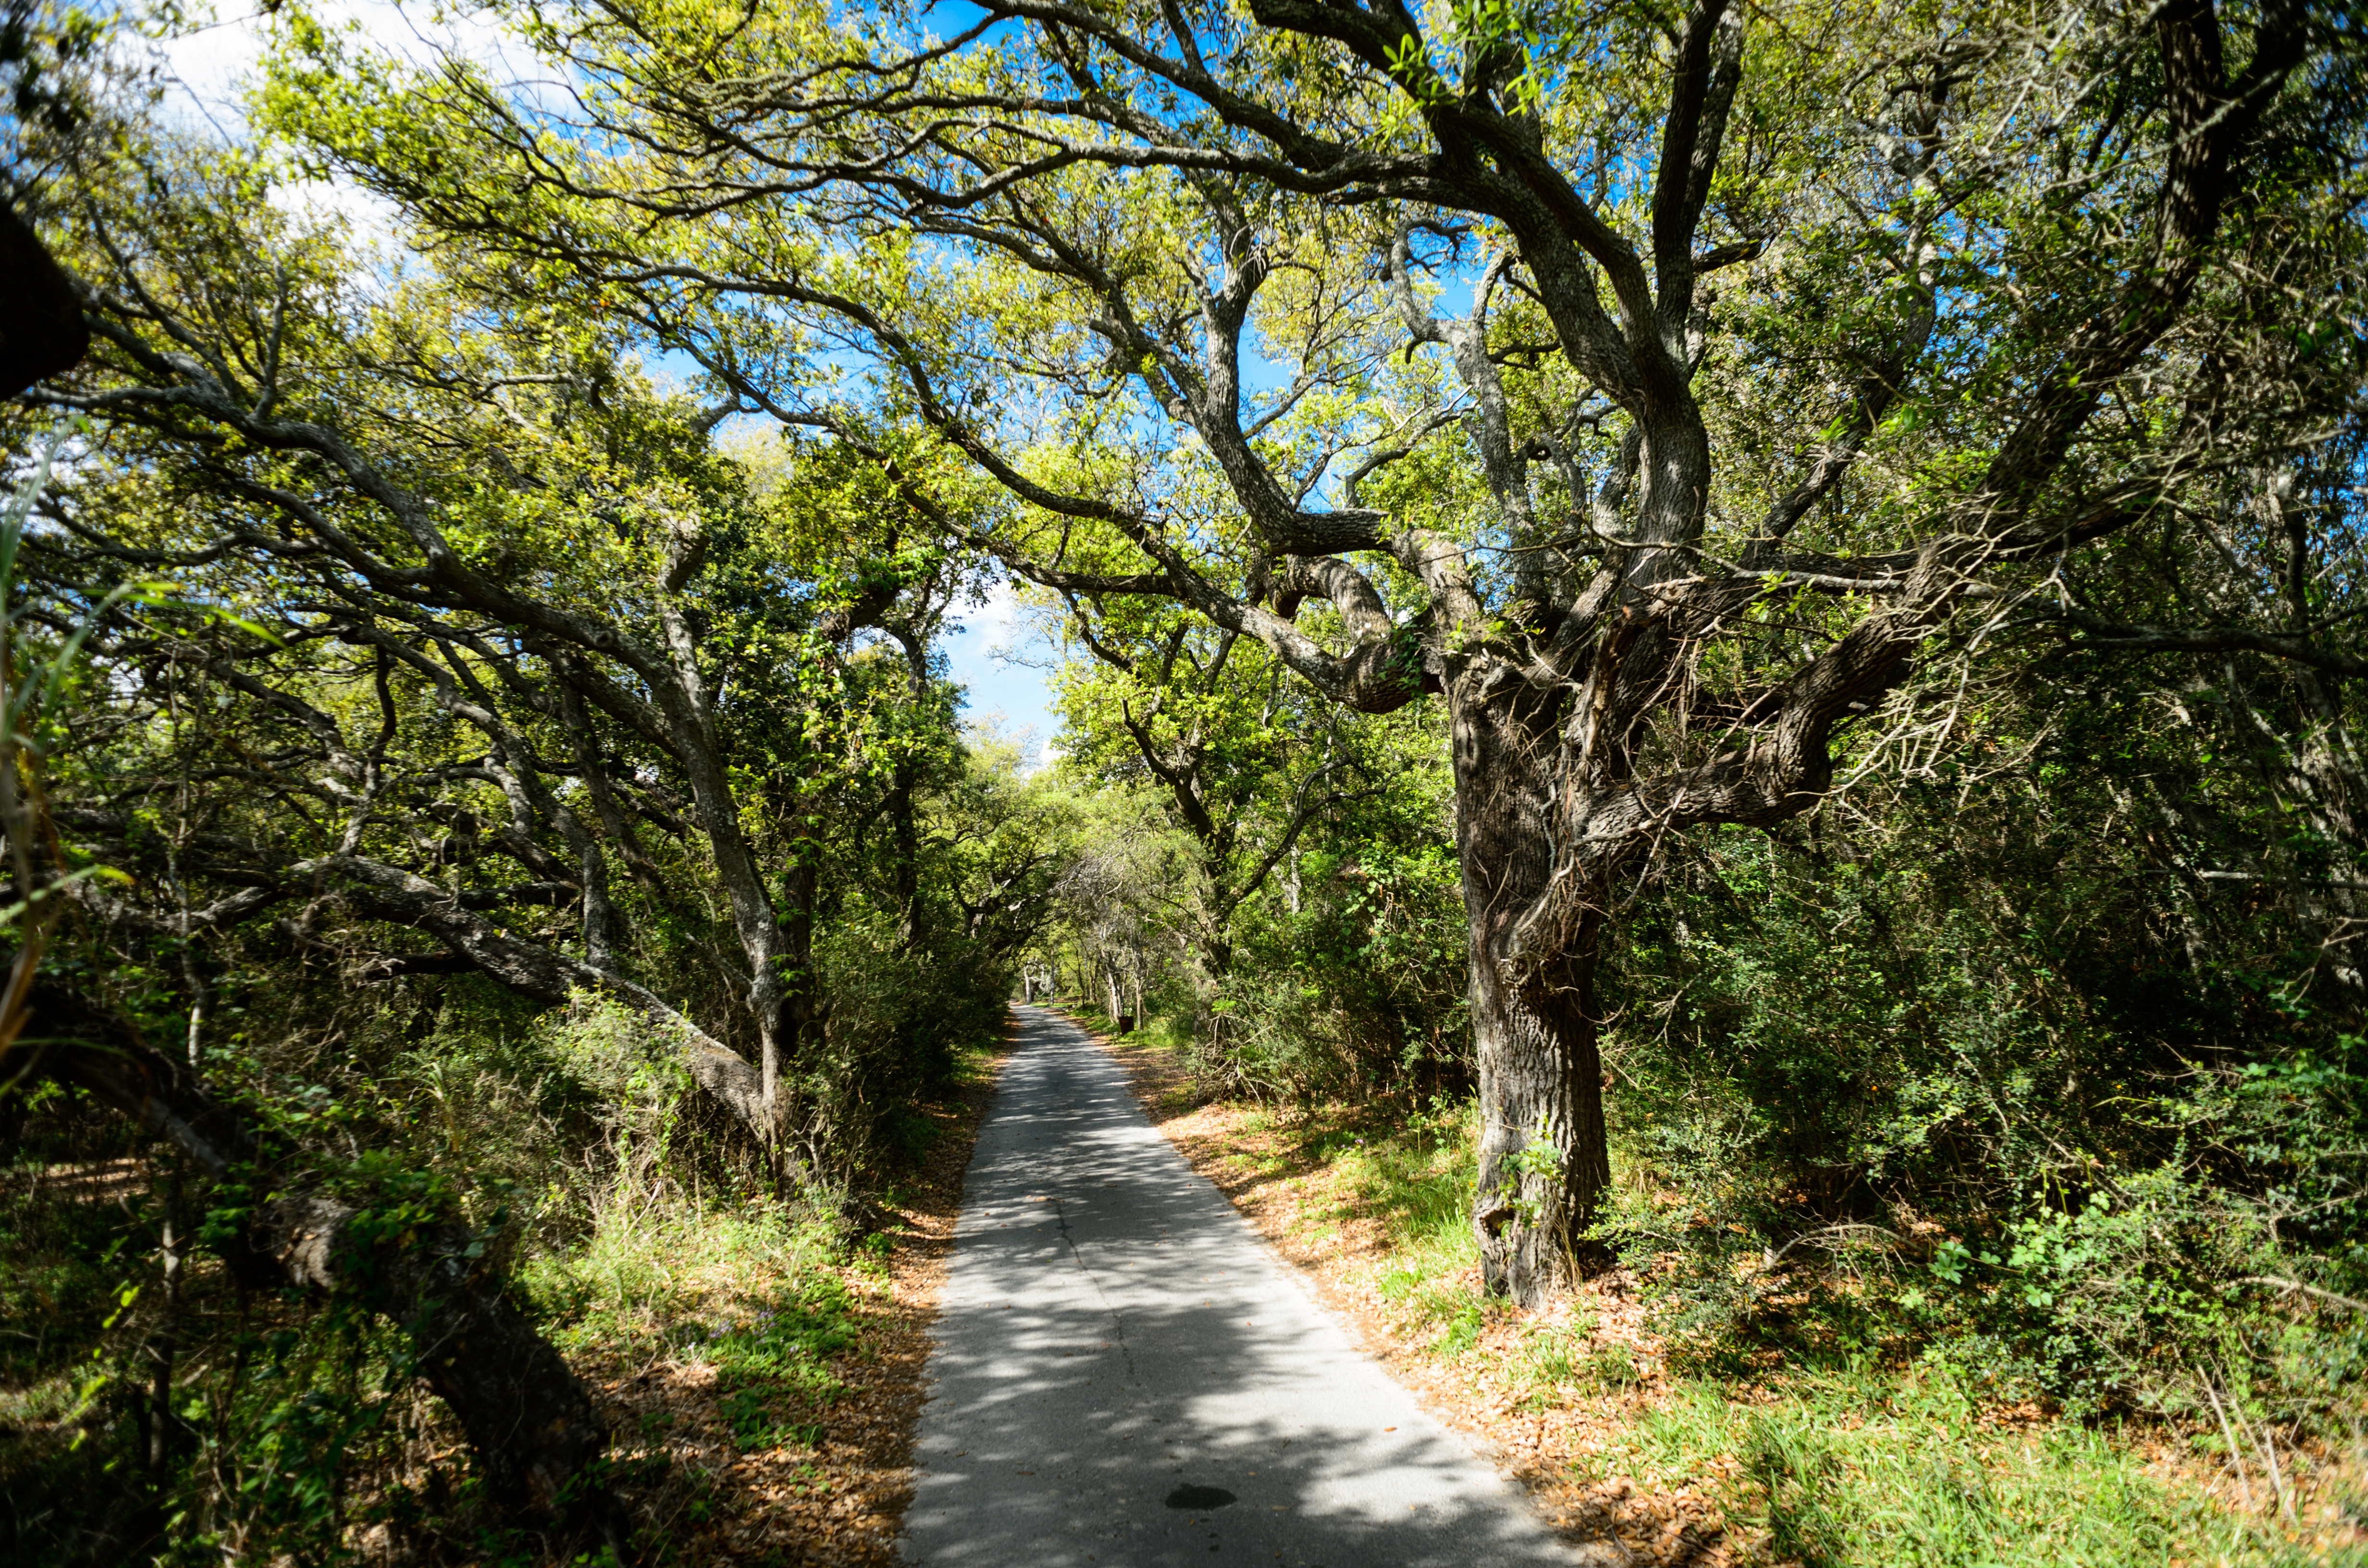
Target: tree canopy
{"x":1768,"y":591}
{"x":1859,"y":325}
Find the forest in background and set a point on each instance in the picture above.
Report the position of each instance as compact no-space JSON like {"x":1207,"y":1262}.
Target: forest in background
{"x":1739,"y":628}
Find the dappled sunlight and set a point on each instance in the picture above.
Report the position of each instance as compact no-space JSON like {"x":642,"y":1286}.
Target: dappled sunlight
{"x":1124,"y":1374}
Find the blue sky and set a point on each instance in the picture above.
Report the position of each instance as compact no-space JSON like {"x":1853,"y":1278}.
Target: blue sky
{"x":980,"y":656}
{"x":208,"y":64}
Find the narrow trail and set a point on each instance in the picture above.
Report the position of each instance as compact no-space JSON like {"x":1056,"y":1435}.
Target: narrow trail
{"x":1124,"y":1374}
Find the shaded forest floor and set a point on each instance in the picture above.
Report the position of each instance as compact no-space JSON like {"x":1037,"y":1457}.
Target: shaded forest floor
{"x":760,"y":1377}
{"x":1778,"y":1461}
{"x":763,"y":1380}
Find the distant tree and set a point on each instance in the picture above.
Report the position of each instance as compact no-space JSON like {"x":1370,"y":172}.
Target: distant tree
{"x":1203,"y":716}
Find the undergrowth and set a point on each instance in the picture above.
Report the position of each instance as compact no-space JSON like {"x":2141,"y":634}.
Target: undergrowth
{"x":727,"y":1320}
{"x":1894,"y":1451}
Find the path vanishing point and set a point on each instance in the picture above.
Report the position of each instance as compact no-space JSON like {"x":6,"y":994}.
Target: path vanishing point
{"x":1125,"y":1375}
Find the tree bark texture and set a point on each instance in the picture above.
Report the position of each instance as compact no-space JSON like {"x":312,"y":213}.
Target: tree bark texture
{"x":1544,"y":1165}
{"x":530,"y":1422}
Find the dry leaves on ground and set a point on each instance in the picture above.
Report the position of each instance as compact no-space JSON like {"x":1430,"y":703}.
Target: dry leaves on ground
{"x":837,"y":1501}
{"x":1566,"y":1448}
{"x":833,"y":1489}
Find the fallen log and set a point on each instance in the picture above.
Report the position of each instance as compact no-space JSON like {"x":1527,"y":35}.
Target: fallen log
{"x":530,"y":1422}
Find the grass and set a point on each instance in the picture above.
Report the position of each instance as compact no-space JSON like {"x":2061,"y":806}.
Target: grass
{"x":784,"y":1354}
{"x":761,"y":1292}
{"x":653,"y":1271}
{"x":1153,"y":1030}
{"x":757,"y":1370}
{"x":1897,"y":1467}
{"x":1868,"y":1461}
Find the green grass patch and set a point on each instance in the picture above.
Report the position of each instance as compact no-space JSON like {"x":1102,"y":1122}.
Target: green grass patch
{"x":1834,"y":1460}
{"x":648,"y":1269}
{"x":974,"y":1062}
{"x":1876,"y":1466}
{"x":1552,"y":1356}
{"x":1415,"y":1178}
{"x":754,"y":1415}
{"x":788,"y":1348}
{"x":756,"y":1293}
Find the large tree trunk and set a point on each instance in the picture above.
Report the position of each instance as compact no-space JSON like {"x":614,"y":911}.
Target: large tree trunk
{"x":1545,"y":1165}
{"x":531,"y":1425}
{"x":802,"y":1003}
{"x":43,"y":334}
{"x":904,"y":851}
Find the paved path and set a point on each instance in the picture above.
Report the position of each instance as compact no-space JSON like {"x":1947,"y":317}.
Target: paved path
{"x":1124,"y":1374}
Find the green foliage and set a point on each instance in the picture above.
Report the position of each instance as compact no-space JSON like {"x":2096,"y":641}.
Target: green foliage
{"x":1958,"y":1083}
{"x":2044,"y":1070}
{"x":1891,"y":1454}
{"x":569,"y":1141}
{"x":1362,"y":986}
{"x":898,"y":1020}
{"x":784,"y":1354}
{"x":1798,"y":1471}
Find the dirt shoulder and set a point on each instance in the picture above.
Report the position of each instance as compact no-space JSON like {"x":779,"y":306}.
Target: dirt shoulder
{"x":840,"y":1499}
{"x":1775,"y":1463}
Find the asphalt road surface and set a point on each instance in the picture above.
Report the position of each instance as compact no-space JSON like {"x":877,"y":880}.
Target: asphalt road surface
{"x":1125,"y":1375}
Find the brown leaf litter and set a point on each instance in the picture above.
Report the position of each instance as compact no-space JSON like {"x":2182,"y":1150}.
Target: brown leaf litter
{"x":1561,"y":1449}
{"x":840,"y":1500}
{"x":684,"y":1491}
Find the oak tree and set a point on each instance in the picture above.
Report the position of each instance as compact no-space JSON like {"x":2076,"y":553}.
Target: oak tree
{"x":1655,"y":389}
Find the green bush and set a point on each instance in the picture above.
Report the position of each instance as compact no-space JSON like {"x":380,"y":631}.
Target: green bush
{"x":1900,"y":1098}
{"x":1362,"y":989}
{"x":898,"y":1018}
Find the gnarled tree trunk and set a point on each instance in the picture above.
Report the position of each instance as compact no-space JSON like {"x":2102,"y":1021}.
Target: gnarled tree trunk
{"x":1545,"y":1165}
{"x":531,"y":1424}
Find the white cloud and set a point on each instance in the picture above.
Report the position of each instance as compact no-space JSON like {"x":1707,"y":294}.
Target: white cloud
{"x":994,"y":621}
{"x":996,"y":654}
{"x":213,"y":65}
{"x":370,"y":215}
{"x":208,"y":66}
